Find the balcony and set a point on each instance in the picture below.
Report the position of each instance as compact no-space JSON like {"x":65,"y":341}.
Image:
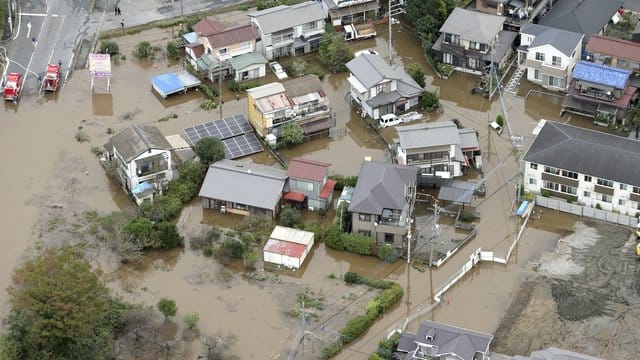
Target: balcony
{"x":435,"y":161}
{"x":151,"y":165}
{"x":277,"y":40}
{"x":547,"y":69}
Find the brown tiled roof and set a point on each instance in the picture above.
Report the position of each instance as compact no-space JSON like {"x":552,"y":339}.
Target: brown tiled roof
{"x":623,"y":49}
{"x":208,"y":26}
{"x":233,"y":35}
{"x":303,"y":85}
{"x":198,"y":49}
{"x":307,"y":169}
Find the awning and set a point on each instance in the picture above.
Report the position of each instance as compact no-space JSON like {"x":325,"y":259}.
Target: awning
{"x":328,"y":188}
{"x":295,"y":196}
{"x":313,"y":127}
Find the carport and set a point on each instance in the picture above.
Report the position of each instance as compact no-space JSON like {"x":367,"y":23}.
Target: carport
{"x":457,"y":191}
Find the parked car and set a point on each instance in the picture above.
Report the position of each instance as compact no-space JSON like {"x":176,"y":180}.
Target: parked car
{"x":366,"y":51}
{"x":278,"y":70}
{"x":389,"y":120}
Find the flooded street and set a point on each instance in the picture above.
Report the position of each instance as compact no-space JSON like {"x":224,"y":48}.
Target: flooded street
{"x":45,"y":165}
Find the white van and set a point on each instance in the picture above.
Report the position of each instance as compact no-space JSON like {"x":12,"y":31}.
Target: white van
{"x":389,"y":120}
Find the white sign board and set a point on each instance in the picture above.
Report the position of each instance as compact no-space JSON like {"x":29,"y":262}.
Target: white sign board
{"x":100,"y":65}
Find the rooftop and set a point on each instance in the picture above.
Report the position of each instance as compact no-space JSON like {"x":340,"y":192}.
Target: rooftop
{"x":371,"y":69}
{"x":440,"y":133}
{"x":586,"y":17}
{"x":242,"y":61}
{"x":381,"y":186}
{"x":303,"y":85}
{"x":453,"y":340}
{"x":137,"y":139}
{"x":231,"y":35}
{"x":619,"y":48}
{"x":565,"y":41}
{"x":284,"y":17}
{"x":601,"y":74}
{"x":307,"y":169}
{"x":473,"y":25}
{"x":292,"y":235}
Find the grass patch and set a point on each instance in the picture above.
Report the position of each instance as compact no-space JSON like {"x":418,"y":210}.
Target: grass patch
{"x":97,"y":151}
{"x":168,"y":117}
{"x":82,"y":136}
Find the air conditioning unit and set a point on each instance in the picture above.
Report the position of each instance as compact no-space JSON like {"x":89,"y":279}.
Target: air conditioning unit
{"x":223,"y":209}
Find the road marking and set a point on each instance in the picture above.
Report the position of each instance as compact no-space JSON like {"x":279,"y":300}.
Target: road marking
{"x":28,"y":29}
{"x":32,"y":14}
{"x":55,"y":42}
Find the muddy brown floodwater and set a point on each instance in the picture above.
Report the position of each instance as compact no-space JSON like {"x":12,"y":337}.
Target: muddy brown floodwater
{"x":45,"y":165}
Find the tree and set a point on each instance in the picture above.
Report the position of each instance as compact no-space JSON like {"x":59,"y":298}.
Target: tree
{"x":144,"y":50}
{"x":429,"y":100}
{"x":167,"y":307}
{"x":60,"y":309}
{"x":191,"y":320}
{"x":209,"y":150}
{"x":291,"y":133}
{"x":334,"y":52}
{"x":165,"y":235}
{"x":387,"y":253}
{"x":289,"y":216}
{"x":500,"y":120}
{"x":416,"y":72}
{"x":109,"y":47}
{"x":344,"y":217}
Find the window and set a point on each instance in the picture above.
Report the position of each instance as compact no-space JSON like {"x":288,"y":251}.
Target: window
{"x":309,"y":26}
{"x":452,"y":39}
{"x":539,"y":56}
{"x":222,"y":51}
{"x":607,"y":183}
{"x":569,"y":174}
{"x":472,"y":63}
{"x":388,"y":238}
{"x":621,"y":202}
{"x":304,"y":185}
{"x":587,"y":194}
{"x":623,"y":186}
{"x":556,"y":61}
{"x":551,"y":170}
{"x":364,"y":232}
{"x":364,"y":217}
{"x":554,"y":81}
{"x":379,"y":89}
{"x":605,"y":198}
{"x":239,"y":206}
{"x":474,"y":45}
{"x":532,"y":181}
{"x":534,"y":166}
{"x":447,"y":58}
{"x":636,"y":190}
{"x":587,"y":178}
{"x":536,"y":74}
{"x":567,"y":189}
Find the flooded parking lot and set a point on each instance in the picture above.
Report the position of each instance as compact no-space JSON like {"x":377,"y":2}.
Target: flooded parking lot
{"x":48,"y":166}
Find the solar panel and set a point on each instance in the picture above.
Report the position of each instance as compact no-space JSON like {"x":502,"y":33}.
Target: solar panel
{"x":222,"y":129}
{"x":241,"y":145}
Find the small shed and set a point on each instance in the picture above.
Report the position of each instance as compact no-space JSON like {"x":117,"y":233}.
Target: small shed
{"x":288,"y":247}
{"x":173,"y":83}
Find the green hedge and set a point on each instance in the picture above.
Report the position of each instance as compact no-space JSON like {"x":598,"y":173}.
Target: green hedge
{"x":342,"y":181}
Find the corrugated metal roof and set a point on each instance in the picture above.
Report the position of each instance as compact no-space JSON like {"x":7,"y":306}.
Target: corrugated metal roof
{"x":266,"y":90}
{"x":473,"y":25}
{"x":307,"y":169}
{"x":273,"y":102}
{"x":286,"y":248}
{"x":292,"y":235}
{"x":284,"y":17}
{"x":428,"y":135}
{"x":619,"y":48}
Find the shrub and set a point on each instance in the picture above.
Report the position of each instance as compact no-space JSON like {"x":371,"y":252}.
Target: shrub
{"x":334,"y":52}
{"x":183,"y":190}
{"x":144,"y":50}
{"x":207,"y":250}
{"x":333,"y":237}
{"x":291,"y":133}
{"x":342,"y":181}
{"x":167,"y":307}
{"x":250,"y":258}
{"x":289,"y":216}
{"x":230,"y":233}
{"x":248,"y":238}
{"x":209,"y":92}
{"x":172,"y":50}
{"x":353,"y":278}
{"x":208,"y":104}
{"x":357,"y":243}
{"x":500,"y":120}
{"x":232,"y":248}
{"x":356,"y":327}
{"x":416,"y":72}
{"x":343,"y":217}
{"x":331,"y":275}
{"x":97,"y":151}
{"x":429,"y":100}
{"x":598,"y":206}
{"x":331,"y":350}
{"x":571,"y":199}
{"x":165,"y":235}
{"x":109,"y":47}
{"x":82,"y":136}
{"x":191,"y":320}
{"x":168,"y":117}
{"x":388,"y":253}
{"x":545,"y":193}
{"x":209,"y":150}
{"x":386,"y":348}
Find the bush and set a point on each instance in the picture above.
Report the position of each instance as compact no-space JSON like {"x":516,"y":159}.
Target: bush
{"x":191,"y":320}
{"x":598,"y":206}
{"x":331,"y":350}
{"x":299,"y":67}
{"x":165,"y":235}
{"x":342,"y":181}
{"x":343,"y":217}
{"x":429,"y":100}
{"x":144,"y":50}
{"x":356,"y":327}
{"x":209,"y":92}
{"x":291,"y":133}
{"x":173,"y":51}
{"x":545,"y":193}
{"x":333,"y":237}
{"x":334,"y":52}
{"x":353,"y":278}
{"x":500,"y":120}
{"x":387,"y":253}
{"x":251,"y":258}
{"x":236,"y":86}
{"x":208,"y":250}
{"x":248,"y":238}
{"x":109,"y":47}
{"x":209,"y":150}
{"x":416,"y":72}
{"x":232,"y":248}
{"x":357,"y":243}
{"x":230,"y":234}
{"x":571,"y":199}
{"x":182,"y":189}
{"x":97,"y":151}
{"x":208,"y":104}
{"x":167,"y":307}
{"x":386,"y":348}
{"x":289,"y":216}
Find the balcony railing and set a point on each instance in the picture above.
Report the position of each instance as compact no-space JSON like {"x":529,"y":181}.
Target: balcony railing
{"x":277,"y":39}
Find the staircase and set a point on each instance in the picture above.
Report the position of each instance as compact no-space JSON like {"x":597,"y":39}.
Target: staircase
{"x":512,"y":85}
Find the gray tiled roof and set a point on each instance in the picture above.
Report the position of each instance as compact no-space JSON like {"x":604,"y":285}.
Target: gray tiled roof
{"x":136,"y":139}
{"x":468,"y":138}
{"x":564,"y":41}
{"x":284,"y":17}
{"x":453,"y":340}
{"x":427,"y":135}
{"x":586,"y":17}
{"x":473,"y":25}
{"x":587,"y":152}
{"x":370,"y":69}
{"x":244,"y":183}
{"x":381,"y":186}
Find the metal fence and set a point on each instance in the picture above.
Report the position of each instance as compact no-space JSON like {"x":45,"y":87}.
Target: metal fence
{"x":586,"y":211}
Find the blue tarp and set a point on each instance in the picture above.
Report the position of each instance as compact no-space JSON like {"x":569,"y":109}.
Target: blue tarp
{"x":141,"y":187}
{"x":522,"y":208}
{"x":167,"y":84}
{"x":601,"y":74}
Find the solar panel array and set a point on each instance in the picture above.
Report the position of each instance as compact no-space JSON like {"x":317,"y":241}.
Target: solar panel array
{"x":234,"y":131}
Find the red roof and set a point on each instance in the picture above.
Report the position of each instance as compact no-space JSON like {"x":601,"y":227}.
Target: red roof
{"x":295,"y":196}
{"x":208,"y":26}
{"x":285,"y":248}
{"x":307,"y":169}
{"x":197,"y":49}
{"x":327,"y":189}
{"x":235,"y":34}
{"x":619,"y":48}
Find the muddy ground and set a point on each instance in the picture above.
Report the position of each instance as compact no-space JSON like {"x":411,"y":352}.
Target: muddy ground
{"x":582,"y":297}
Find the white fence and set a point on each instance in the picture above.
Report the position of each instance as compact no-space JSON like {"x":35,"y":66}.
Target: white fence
{"x":586,"y":211}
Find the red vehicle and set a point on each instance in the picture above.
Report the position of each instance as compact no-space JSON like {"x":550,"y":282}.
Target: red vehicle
{"x":12,"y":86}
{"x":50,"y":82}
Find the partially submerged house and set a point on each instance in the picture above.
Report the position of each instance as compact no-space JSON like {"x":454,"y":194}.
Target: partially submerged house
{"x":289,"y":30}
{"x":602,"y":91}
{"x":379,"y":88}
{"x":614,"y":52}
{"x":472,"y":40}
{"x":439,"y":150}
{"x":440,"y":341}
{"x":343,"y":12}
{"x":309,"y":184}
{"x":588,"y":17}
{"x":549,"y":55}
{"x":142,"y":161}
{"x":243,"y":188}
{"x":382,"y":202}
{"x":288,"y":247}
{"x":593,"y":168}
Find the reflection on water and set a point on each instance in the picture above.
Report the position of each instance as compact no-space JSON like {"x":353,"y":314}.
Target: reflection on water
{"x":102,"y":104}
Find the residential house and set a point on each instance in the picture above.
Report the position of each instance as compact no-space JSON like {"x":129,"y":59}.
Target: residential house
{"x":593,"y":168}
{"x":614,"y":52}
{"x":216,"y":43}
{"x":309,"y":184}
{"x":588,"y":17}
{"x":289,"y":30}
{"x":142,"y":160}
{"x":248,"y":66}
{"x":382,"y":202}
{"x":549,"y":55}
{"x":601,"y":91}
{"x":343,"y":12}
{"x":517,"y":13}
{"x":243,"y":188}
{"x":301,"y":100}
{"x":440,"y":341}
{"x":379,"y":88}
{"x":438,"y":149}
{"x":472,"y":40}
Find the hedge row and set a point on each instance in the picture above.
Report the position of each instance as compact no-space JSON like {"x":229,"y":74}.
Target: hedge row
{"x":357,"y":326}
{"x":342,"y":181}
{"x":355,"y":243}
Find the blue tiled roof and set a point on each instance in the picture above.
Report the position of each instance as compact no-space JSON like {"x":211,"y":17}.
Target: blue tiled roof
{"x":601,"y":74}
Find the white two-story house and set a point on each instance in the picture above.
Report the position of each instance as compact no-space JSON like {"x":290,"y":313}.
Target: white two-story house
{"x":141,"y":158}
{"x":589,"y":167}
{"x":549,"y":55}
{"x":289,"y":30}
{"x":379,"y":88}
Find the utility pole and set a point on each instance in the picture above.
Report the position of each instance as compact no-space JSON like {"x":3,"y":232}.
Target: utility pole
{"x":219,"y":87}
{"x":396,"y":7}
{"x":436,"y":234}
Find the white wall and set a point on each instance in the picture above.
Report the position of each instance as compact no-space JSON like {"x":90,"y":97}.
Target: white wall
{"x":133,"y":171}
